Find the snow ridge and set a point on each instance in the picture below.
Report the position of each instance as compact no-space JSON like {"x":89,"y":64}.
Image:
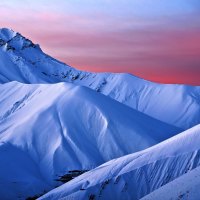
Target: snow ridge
{"x":137,"y":175}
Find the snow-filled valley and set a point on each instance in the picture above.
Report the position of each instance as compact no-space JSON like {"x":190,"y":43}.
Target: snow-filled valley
{"x":137,"y":139}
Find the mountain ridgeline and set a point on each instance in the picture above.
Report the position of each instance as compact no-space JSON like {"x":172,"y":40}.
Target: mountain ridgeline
{"x":25,"y":62}
{"x":131,"y":138}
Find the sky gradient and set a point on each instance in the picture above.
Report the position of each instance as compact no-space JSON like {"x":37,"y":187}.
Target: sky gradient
{"x":157,"y":40}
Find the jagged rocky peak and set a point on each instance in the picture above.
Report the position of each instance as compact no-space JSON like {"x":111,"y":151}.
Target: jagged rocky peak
{"x":14,"y":40}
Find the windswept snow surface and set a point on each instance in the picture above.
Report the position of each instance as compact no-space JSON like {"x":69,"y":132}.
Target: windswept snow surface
{"x":184,"y":188}
{"x":23,"y":61}
{"x":48,"y":129}
{"x":136,"y":175}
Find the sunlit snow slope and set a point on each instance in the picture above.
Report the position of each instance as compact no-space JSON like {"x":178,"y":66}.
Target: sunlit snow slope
{"x":136,"y":175}
{"x":23,"y":61}
{"x":48,"y":129}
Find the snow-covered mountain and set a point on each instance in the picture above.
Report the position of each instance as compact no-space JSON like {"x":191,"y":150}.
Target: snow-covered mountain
{"x":48,"y":129}
{"x":136,"y":175}
{"x":55,"y":119}
{"x":23,"y":61}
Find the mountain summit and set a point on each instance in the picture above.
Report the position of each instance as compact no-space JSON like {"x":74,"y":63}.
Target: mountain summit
{"x":7,"y":34}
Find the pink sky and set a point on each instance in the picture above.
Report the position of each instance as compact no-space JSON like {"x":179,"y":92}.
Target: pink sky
{"x":163,"y":47}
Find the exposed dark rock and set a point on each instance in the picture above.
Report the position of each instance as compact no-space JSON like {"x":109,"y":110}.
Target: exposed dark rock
{"x":71,"y":175}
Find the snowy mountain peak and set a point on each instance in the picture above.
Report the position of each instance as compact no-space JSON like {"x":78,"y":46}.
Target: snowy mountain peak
{"x":7,"y":34}
{"x":14,"y":41}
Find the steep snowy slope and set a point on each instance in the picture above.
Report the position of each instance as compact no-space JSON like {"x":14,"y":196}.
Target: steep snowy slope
{"x":136,"y":175}
{"x":184,"y":188}
{"x":21,"y":60}
{"x":48,"y":129}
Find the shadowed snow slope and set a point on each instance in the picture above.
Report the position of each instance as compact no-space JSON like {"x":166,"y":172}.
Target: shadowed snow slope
{"x":23,"y":61}
{"x":136,"y":175}
{"x":48,"y":129}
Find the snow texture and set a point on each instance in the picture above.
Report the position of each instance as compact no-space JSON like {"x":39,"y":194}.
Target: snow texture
{"x":136,"y":175}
